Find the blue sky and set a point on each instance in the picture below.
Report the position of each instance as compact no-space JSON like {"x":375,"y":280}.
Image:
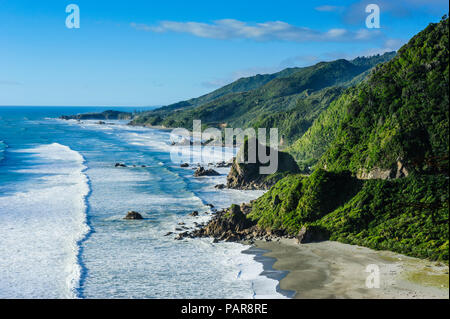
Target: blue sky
{"x":141,"y":53}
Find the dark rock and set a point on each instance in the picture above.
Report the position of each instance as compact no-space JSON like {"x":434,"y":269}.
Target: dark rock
{"x":201,"y":171}
{"x":308,"y":234}
{"x":194,"y":213}
{"x":184,"y":165}
{"x":276,"y":200}
{"x":220,"y":186}
{"x":133,"y":215}
{"x":101,"y":123}
{"x":245,"y":175}
{"x":210,"y":205}
{"x":168,"y":234}
{"x":120,"y":165}
{"x":223,"y":164}
{"x":181,"y":223}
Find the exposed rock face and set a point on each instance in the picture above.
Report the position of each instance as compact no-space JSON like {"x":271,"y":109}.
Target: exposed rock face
{"x":201,"y":171}
{"x":232,"y":224}
{"x":133,"y":215}
{"x":310,"y":234}
{"x":228,"y":225}
{"x":247,"y":175}
{"x":378,"y":173}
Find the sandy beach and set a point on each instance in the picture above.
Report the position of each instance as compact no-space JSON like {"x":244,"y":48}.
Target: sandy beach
{"x":335,"y":270}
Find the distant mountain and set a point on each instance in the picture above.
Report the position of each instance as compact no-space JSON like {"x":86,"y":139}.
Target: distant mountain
{"x":256,"y":101}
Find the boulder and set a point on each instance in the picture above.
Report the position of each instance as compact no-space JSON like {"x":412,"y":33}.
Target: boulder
{"x":201,"y":171}
{"x":220,"y":186}
{"x":184,"y":165}
{"x":133,"y":215}
{"x":120,"y":165}
{"x":194,"y":213}
{"x":308,"y":234}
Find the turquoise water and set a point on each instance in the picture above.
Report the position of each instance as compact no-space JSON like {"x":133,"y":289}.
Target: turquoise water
{"x":62,"y":204}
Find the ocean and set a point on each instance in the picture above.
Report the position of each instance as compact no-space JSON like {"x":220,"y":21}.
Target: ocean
{"x":62,"y":203}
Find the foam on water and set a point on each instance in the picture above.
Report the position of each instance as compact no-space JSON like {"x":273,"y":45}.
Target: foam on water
{"x":3,"y":147}
{"x":42,"y":222}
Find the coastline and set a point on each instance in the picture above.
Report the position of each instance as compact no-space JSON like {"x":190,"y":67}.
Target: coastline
{"x":335,"y":270}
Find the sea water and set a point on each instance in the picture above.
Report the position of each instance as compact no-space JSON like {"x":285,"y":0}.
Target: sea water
{"x":62,"y":203}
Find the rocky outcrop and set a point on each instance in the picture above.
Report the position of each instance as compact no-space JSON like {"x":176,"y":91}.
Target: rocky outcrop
{"x":228,"y":225}
{"x":308,"y":234}
{"x":133,"y":215}
{"x":398,"y":171}
{"x":247,"y":175}
{"x":201,"y":171}
{"x":232,"y":224}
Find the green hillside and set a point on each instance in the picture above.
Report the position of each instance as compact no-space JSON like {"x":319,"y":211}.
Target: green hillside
{"x":400,"y":113}
{"x":396,"y":122}
{"x":289,"y":100}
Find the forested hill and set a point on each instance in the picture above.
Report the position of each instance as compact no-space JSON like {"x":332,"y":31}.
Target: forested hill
{"x":398,"y":116}
{"x":300,"y":93}
{"x":381,"y":160}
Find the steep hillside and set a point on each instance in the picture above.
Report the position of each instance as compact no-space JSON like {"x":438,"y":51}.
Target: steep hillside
{"x":296,"y":91}
{"x":398,"y":116}
{"x":238,"y":86}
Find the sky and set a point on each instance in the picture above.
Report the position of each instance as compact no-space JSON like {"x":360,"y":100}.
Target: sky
{"x":146,"y":53}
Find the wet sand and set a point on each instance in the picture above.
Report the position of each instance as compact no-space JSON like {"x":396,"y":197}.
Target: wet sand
{"x":335,"y":270}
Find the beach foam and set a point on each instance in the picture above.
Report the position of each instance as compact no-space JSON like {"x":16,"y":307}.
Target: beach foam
{"x":3,"y":147}
{"x":42,"y":223}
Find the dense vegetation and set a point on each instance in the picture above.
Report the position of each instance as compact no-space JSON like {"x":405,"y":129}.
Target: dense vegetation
{"x":399,"y":113}
{"x":408,"y":215}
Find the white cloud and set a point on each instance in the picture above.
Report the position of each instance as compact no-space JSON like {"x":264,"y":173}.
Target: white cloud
{"x":328,"y":8}
{"x":267,"y":31}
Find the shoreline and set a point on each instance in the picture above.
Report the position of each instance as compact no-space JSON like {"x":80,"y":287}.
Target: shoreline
{"x":334,"y":270}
